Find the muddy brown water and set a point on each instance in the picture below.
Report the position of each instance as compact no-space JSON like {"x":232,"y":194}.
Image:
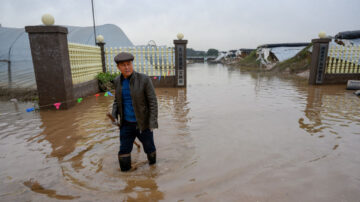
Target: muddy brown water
{"x":231,"y":135}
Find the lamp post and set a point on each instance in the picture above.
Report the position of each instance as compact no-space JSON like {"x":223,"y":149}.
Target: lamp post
{"x":100,"y":42}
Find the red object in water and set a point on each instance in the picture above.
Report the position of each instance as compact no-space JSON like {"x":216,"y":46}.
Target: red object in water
{"x":155,"y":77}
{"x":57,"y":105}
{"x":97,"y":95}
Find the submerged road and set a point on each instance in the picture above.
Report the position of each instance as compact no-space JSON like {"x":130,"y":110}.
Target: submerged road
{"x":231,"y":135}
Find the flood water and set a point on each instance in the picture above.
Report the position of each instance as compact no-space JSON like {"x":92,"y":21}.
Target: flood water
{"x":231,"y":135}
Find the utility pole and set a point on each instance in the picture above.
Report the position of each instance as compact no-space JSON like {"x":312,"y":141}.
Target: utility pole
{"x":92,"y":5}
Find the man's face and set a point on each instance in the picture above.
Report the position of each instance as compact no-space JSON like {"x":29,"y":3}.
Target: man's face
{"x":126,"y":68}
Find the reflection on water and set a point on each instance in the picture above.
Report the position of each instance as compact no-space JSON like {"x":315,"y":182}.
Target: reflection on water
{"x":329,"y":111}
{"x":326,"y":109}
{"x":82,"y":147}
{"x":36,"y":187}
{"x":231,"y":135}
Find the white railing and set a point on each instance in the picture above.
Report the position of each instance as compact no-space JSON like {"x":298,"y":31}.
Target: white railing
{"x":343,"y":59}
{"x":153,"y":61}
{"x":85,"y":62}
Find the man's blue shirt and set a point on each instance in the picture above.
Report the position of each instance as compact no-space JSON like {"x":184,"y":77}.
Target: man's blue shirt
{"x":129,"y":114}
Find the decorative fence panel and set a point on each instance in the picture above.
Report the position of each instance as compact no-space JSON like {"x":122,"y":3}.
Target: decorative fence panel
{"x":85,"y":62}
{"x":153,"y":61}
{"x":343,"y":60}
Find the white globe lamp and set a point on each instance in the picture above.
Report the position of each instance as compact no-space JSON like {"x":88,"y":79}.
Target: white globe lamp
{"x":100,"y":38}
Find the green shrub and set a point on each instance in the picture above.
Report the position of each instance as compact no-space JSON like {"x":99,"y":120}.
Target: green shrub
{"x":250,"y":60}
{"x":106,"y":80}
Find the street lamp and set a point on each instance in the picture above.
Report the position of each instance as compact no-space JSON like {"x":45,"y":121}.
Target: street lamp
{"x":100,"y":38}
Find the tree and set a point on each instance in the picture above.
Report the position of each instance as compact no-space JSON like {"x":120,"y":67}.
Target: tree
{"x":192,"y":52}
{"x":212,"y":52}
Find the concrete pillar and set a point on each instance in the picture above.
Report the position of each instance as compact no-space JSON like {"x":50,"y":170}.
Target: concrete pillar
{"x":180,"y":62}
{"x":102,"y":44}
{"x":318,"y":60}
{"x":50,"y":55}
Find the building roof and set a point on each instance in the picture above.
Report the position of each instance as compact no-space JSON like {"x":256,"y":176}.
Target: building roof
{"x":275,"y":45}
{"x":247,"y":49}
{"x":348,"y":35}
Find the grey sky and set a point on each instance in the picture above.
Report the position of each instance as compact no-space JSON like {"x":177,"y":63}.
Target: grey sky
{"x":207,"y":24}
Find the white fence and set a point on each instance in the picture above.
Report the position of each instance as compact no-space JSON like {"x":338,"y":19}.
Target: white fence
{"x":153,"y":61}
{"x":343,"y":59}
{"x":85,"y":62}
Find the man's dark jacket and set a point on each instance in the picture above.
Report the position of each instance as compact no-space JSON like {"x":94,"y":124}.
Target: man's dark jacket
{"x":143,"y":100}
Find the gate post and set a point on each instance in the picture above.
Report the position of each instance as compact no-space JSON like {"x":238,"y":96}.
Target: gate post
{"x":318,"y":60}
{"x":180,"y":61}
{"x":50,"y":55}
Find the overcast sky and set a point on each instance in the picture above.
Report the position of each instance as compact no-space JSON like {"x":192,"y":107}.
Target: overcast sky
{"x":225,"y":24}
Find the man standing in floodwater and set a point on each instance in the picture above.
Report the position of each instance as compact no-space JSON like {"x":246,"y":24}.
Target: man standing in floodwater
{"x":136,"y":104}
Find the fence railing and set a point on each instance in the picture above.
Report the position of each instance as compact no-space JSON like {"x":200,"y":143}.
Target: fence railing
{"x":343,"y":59}
{"x":153,"y":61}
{"x":85,"y":62}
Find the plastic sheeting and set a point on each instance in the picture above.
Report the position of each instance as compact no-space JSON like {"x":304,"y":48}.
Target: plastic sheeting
{"x":281,"y":53}
{"x":263,"y":54}
{"x":284,"y":53}
{"x":275,"y":45}
{"x":15,"y":46}
{"x":220,"y":56}
{"x":113,"y":35}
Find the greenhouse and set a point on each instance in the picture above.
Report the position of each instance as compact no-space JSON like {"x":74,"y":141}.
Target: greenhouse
{"x":16,"y":67}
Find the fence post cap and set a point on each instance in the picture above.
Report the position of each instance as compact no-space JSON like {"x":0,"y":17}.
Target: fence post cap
{"x":46,"y":29}
{"x":322,"y":35}
{"x":47,"y":19}
{"x":180,"y":36}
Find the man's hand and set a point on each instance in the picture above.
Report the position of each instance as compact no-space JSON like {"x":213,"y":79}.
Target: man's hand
{"x":113,"y":120}
{"x":115,"y":123}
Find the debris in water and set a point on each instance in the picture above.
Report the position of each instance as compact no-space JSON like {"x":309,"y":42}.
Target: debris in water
{"x":57,"y":105}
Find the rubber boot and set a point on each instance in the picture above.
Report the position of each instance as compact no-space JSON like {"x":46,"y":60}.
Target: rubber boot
{"x":125,"y":163}
{"x":152,"y":158}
